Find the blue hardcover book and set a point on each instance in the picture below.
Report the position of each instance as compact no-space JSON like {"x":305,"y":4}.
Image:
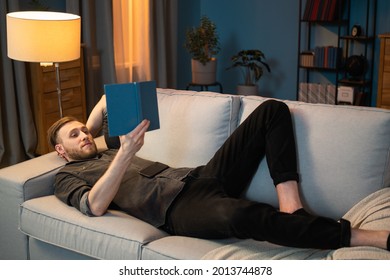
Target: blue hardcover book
{"x":128,"y":104}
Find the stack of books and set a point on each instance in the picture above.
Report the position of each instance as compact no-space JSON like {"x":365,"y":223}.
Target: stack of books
{"x":322,"y":57}
{"x":327,"y":57}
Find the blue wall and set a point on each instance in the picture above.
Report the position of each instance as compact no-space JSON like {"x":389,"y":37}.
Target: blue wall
{"x":272,"y":27}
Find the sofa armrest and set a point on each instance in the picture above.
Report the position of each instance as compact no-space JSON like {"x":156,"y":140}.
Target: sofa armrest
{"x":18,"y":183}
{"x":30,"y":179}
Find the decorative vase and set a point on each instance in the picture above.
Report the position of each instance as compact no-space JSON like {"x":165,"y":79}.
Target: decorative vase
{"x":247,"y":90}
{"x":204,"y":74}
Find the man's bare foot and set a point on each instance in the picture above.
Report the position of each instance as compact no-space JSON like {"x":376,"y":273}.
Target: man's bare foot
{"x":288,"y":196}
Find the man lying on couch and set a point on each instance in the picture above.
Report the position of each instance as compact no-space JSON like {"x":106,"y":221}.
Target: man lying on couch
{"x":202,"y":202}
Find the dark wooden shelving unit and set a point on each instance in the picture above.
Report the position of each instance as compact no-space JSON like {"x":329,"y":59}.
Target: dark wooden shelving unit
{"x":346,"y":43}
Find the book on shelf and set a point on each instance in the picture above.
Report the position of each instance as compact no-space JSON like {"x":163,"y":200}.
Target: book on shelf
{"x":321,"y":94}
{"x":302,"y":94}
{"x":322,"y":10}
{"x":312,"y":93}
{"x":331,"y":94}
{"x":130,"y":103}
{"x":327,"y":57}
{"x":307,"y":59}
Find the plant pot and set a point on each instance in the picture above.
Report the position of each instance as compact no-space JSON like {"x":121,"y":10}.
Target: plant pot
{"x":204,"y":74}
{"x":247,"y":90}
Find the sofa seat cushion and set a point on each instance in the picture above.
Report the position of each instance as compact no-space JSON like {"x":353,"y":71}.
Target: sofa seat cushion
{"x":343,"y":155}
{"x":182,"y":248}
{"x":193,"y":125}
{"x":114,"y":235}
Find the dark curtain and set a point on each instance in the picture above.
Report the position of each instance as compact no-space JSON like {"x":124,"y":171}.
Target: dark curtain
{"x":17,"y":131}
{"x":18,"y":138}
{"x":96,"y":22}
{"x":164,"y":40}
{"x":97,"y":36}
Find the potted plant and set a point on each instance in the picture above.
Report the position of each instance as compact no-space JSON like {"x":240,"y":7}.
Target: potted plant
{"x":251,"y":65}
{"x":202,"y":43}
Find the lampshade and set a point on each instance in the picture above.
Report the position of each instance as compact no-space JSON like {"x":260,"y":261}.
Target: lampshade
{"x":43,"y":36}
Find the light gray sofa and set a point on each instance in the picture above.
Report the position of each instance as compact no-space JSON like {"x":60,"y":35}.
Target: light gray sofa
{"x":343,"y":157}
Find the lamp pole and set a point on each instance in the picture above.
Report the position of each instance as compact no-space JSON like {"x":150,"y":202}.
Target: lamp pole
{"x":59,"y":94}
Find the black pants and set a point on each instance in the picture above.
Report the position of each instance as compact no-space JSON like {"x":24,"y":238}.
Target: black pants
{"x":210,"y":205}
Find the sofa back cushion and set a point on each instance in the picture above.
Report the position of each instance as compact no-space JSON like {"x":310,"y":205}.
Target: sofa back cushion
{"x":343,"y":155}
{"x":193,"y":125}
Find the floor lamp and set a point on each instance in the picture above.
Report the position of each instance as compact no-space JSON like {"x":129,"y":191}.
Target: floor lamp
{"x":44,"y":37}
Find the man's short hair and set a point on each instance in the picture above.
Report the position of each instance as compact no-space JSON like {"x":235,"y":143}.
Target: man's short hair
{"x":52,"y":132}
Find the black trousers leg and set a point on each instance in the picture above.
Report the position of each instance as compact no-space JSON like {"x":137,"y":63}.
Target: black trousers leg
{"x":209,"y":206}
{"x":204,"y":210}
{"x":266,"y":132}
